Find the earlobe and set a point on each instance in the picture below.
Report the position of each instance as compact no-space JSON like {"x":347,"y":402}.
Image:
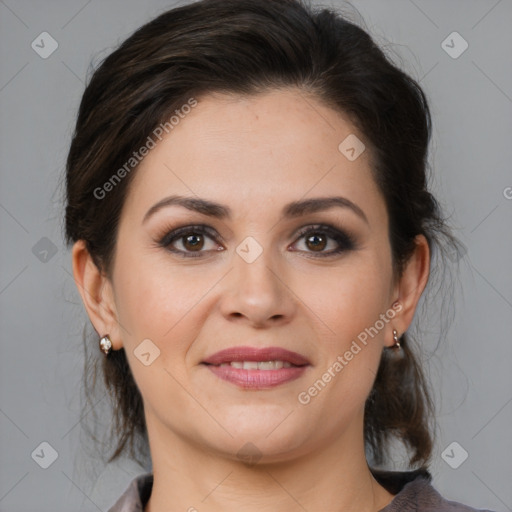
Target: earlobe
{"x":97,"y":295}
{"x":412,"y":283}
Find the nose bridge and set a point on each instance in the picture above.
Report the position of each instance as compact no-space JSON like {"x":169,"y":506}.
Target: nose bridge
{"x":253,"y":263}
{"x":257,"y":291}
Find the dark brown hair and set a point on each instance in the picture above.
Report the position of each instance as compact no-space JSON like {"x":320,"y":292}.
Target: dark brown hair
{"x":247,"y":47}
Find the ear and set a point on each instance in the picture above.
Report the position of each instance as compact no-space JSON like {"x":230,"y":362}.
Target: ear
{"x":411,"y":284}
{"x":97,"y":294}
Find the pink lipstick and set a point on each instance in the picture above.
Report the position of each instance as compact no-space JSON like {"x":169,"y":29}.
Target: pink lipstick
{"x":257,"y":368}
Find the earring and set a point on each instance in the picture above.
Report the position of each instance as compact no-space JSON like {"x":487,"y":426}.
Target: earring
{"x":106,"y":345}
{"x":396,"y":347}
{"x":395,"y":339}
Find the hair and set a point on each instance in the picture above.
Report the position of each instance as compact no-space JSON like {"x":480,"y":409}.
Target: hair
{"x":247,"y":47}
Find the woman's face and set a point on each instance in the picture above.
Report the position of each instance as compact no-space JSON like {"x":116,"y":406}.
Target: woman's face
{"x":282,"y":245}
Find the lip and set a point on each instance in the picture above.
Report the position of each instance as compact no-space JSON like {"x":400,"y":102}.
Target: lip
{"x":245,"y":353}
{"x":256,"y":379}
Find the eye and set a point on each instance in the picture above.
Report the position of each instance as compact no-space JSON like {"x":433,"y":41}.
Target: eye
{"x":190,"y":241}
{"x":321,"y":237}
{"x":195,"y":241}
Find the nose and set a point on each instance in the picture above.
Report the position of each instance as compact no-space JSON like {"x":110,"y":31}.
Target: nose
{"x":257,"y":293}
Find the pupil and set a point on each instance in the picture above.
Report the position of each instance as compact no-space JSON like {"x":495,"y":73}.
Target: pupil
{"x":193,"y":241}
{"x":317,"y":241}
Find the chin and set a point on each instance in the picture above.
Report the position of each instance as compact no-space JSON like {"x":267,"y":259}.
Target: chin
{"x":256,"y":440}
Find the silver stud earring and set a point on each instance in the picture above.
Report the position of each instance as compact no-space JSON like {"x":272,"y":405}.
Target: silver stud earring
{"x":106,"y":345}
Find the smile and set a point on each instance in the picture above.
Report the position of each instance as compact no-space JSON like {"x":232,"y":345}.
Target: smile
{"x":257,"y":368}
{"x":258,"y":365}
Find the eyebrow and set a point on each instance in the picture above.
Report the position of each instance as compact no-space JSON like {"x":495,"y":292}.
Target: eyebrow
{"x":291,"y":210}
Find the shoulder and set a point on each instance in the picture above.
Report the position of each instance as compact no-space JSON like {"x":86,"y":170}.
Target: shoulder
{"x":412,"y":489}
{"x":136,"y":495}
{"x":414,"y":493}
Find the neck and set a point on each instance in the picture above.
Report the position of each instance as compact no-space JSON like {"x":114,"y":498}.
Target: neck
{"x":189,"y":478}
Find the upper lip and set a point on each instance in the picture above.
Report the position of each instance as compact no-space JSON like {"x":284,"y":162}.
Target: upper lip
{"x":244,"y":353}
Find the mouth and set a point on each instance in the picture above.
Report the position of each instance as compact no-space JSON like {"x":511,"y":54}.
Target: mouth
{"x":257,"y":365}
{"x":257,"y":368}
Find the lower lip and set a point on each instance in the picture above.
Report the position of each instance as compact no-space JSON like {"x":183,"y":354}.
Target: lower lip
{"x":257,"y":379}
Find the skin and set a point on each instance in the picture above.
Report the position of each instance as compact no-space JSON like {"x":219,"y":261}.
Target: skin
{"x":254,"y":155}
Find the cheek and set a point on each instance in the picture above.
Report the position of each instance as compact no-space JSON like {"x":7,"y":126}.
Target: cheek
{"x":347,"y":300}
{"x":349,"y":303}
{"x":157,"y":301}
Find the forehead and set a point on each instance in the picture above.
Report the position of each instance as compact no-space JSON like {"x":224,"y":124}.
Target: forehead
{"x":267,"y":149}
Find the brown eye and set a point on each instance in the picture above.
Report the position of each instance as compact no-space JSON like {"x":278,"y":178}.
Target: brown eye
{"x":324,"y":241}
{"x":316,"y":242}
{"x":193,"y":242}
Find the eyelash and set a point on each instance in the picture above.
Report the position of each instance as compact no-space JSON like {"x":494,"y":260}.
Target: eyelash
{"x":344,"y":240}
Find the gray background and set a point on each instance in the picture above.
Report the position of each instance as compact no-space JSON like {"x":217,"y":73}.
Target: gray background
{"x":41,"y":315}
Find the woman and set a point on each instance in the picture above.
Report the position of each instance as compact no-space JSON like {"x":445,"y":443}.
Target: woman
{"x":252,"y":232}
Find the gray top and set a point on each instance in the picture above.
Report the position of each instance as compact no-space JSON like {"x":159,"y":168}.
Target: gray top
{"x":412,"y":489}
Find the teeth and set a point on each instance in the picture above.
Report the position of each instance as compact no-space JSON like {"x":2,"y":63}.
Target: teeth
{"x":270,"y":365}
{"x":258,"y":365}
